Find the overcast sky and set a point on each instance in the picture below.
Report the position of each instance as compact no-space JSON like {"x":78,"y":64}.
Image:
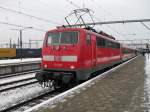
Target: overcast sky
{"x":55,"y":11}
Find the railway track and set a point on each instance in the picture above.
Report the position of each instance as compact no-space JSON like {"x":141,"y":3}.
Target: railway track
{"x":12,"y":82}
{"x":31,"y":101}
{"x":8,"y":85}
{"x":17,"y":86}
{"x":18,"y":74}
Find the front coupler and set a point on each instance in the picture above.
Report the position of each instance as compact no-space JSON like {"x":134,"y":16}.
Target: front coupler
{"x":44,"y":76}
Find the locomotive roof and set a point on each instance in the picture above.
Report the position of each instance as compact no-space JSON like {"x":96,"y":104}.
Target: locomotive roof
{"x":101,"y":33}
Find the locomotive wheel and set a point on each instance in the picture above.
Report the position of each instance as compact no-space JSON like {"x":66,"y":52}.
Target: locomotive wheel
{"x":59,"y":85}
{"x":65,"y":83}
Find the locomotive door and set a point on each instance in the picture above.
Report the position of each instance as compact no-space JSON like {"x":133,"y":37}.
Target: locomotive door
{"x":93,"y":46}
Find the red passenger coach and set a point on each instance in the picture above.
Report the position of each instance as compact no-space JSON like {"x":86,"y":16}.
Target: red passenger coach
{"x":128,"y":53}
{"x":70,"y":55}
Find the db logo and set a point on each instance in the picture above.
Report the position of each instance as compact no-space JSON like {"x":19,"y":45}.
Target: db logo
{"x":57,"y":58}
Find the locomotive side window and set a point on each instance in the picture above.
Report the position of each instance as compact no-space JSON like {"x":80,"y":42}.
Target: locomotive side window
{"x":118,"y":45}
{"x":88,"y":39}
{"x":109,"y":44}
{"x":69,"y":38}
{"x":100,"y":42}
{"x":114,"y":45}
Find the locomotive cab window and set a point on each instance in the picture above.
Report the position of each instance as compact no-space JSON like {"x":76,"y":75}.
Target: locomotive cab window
{"x":88,"y":39}
{"x":69,"y":38}
{"x":53,"y":38}
{"x":58,"y":38}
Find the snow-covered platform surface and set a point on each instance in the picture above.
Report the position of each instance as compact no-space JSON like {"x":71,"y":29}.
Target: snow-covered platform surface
{"x":11,"y":61}
{"x":126,"y":89}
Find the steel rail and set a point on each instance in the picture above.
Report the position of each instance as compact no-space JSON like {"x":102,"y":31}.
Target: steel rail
{"x":14,"y":87}
{"x":12,"y":82}
{"x":18,"y":74}
{"x":39,"y":97}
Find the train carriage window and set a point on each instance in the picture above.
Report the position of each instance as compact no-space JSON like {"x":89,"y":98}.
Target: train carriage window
{"x":126,"y":51}
{"x":111,"y":44}
{"x":100,"y":42}
{"x":88,"y":39}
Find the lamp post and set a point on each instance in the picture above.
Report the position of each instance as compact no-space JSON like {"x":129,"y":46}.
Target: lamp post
{"x":20,"y":32}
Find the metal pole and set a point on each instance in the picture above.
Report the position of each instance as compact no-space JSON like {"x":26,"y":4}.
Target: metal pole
{"x":20,"y":44}
{"x":30,"y":43}
{"x":36,"y":44}
{"x":10,"y":43}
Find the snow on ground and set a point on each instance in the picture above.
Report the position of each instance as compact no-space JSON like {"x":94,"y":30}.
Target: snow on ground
{"x":16,"y":84}
{"x":16,"y":78}
{"x":147,"y":81}
{"x":9,"y":61}
{"x":17,"y":95}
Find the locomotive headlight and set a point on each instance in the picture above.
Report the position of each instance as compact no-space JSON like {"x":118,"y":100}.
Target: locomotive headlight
{"x":45,"y":65}
{"x":72,"y":67}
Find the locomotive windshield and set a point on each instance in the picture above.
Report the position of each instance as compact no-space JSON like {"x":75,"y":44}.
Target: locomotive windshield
{"x":57,"y":38}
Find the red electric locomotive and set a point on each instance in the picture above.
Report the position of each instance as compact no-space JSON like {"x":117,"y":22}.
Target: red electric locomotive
{"x":70,"y":55}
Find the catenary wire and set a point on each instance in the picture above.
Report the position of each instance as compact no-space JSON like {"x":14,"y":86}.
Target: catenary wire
{"x":26,"y":14}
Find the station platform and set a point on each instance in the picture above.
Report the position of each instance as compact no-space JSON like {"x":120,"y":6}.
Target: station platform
{"x":15,"y":61}
{"x":124,"y":90}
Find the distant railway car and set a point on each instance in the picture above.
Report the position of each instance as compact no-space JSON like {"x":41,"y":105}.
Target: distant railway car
{"x":7,"y":53}
{"x":73,"y":54}
{"x":127,"y":53}
{"x":28,"y":53}
{"x":18,"y":53}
